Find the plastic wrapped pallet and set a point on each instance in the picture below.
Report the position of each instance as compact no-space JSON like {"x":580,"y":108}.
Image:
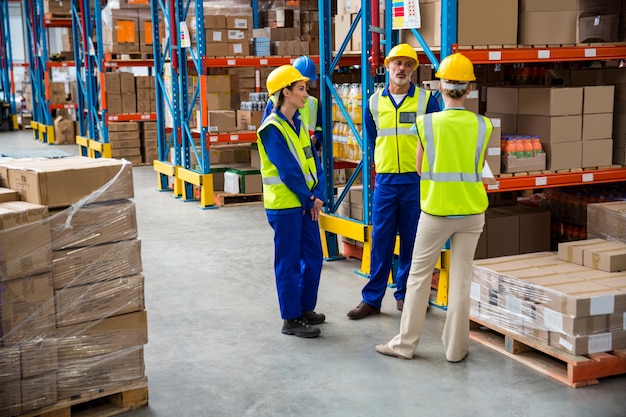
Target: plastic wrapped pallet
{"x":552,"y":302}
{"x":72,"y":312}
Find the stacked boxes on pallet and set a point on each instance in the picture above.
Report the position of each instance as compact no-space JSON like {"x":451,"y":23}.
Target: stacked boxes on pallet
{"x":129,"y":94}
{"x":72,"y":313}
{"x":125,"y":141}
{"x":127,"y":27}
{"x":149,"y":142}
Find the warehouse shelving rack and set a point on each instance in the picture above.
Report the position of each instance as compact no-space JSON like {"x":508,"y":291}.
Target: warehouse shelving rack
{"x":6,"y":68}
{"x":92,"y":63}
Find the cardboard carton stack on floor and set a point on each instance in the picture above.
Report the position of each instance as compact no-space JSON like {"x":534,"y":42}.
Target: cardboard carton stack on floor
{"x":73,"y":318}
{"x":149,"y":142}
{"x":551,"y":301}
{"x":125,"y":141}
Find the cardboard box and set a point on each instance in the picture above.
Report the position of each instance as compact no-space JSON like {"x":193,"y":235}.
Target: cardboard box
{"x":599,"y":28}
{"x":548,"y":6}
{"x":547,"y":28}
{"x":248,"y":119}
{"x":558,"y":322}
{"x":99,"y":300}
{"x":597,"y":126}
{"x":566,"y":155}
{"x":534,"y":230}
{"x":215,"y":35}
{"x":551,"y":101}
{"x":589,"y":77}
{"x":598,"y":7}
{"x":7,"y":195}
{"x":114,"y":103}
{"x":80,"y":266}
{"x":45,"y":181}
{"x":99,"y":337}
{"x":24,"y":239}
{"x":112,"y":370}
{"x":10,"y":369}
{"x":502,"y":233}
{"x":508,"y":122}
{"x":222,"y":121}
{"x":239,"y":22}
{"x":123,"y":34}
{"x":64,"y":131}
{"x":112,"y":82}
{"x":502,"y":100}
{"x":512,"y":164}
{"x":597,"y":153}
{"x":551,"y":129}
{"x":215,"y":21}
{"x":219,"y":101}
{"x":94,"y":224}
{"x":598,"y":99}
{"x":610,"y":260}
{"x":217,"y":49}
{"x":26,"y":310}
{"x":39,"y":356}
{"x":573,"y":251}
{"x":11,"y":398}
{"x":487,"y":22}
{"x":39,"y":391}
{"x":124,"y":127}
{"x":242,"y":48}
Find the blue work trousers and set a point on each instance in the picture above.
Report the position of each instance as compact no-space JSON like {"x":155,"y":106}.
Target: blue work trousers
{"x":297,"y":261}
{"x":395,"y":210}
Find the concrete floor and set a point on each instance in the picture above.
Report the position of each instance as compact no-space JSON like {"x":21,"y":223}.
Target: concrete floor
{"x":215,"y":347}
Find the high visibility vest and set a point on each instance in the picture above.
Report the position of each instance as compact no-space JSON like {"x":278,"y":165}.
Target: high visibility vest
{"x":276,"y":195}
{"x":308,"y":113}
{"x":396,"y":145}
{"x":454,"y":143}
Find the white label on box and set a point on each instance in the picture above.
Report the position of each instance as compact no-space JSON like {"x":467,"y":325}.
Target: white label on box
{"x":600,"y":343}
{"x":514,"y":304}
{"x":217,"y":36}
{"x":553,"y":320}
{"x":494,"y":151}
{"x":567,"y":345}
{"x":241,"y":23}
{"x":237,"y":48}
{"x":235,"y":34}
{"x":475,"y":292}
{"x":604,"y":304}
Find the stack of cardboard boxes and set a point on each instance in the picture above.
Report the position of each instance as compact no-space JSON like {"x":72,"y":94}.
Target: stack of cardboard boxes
{"x":127,"y":94}
{"x":72,"y":315}
{"x":127,"y":29}
{"x":149,"y":142}
{"x":574,"y":124}
{"x":125,"y":141}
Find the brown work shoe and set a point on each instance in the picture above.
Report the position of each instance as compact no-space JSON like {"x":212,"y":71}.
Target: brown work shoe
{"x":362,"y":310}
{"x":400,"y":304}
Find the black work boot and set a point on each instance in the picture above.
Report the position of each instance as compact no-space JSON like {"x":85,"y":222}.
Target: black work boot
{"x":312,"y":318}
{"x":298,"y":327}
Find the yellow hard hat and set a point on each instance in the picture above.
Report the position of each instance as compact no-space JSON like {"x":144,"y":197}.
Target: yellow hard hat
{"x":281,"y":77}
{"x":456,"y":67}
{"x":402,"y":50}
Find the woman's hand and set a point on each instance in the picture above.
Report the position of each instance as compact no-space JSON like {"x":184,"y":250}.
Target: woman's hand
{"x":316,"y":210}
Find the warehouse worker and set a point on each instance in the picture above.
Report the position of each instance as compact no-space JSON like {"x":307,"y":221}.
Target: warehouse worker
{"x":389,"y":116}
{"x":293,"y":196}
{"x":454,"y":200}
{"x":311,"y":113}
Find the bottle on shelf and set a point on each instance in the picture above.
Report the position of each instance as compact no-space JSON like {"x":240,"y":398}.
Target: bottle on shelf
{"x":528,"y":147}
{"x":537,"y":148}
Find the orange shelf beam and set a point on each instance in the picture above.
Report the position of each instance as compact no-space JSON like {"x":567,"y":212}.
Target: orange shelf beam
{"x":51,"y":22}
{"x":267,"y":61}
{"x":60,"y":64}
{"x":529,"y":182}
{"x":548,"y":54}
{"x":63,"y":106}
{"x":129,"y":63}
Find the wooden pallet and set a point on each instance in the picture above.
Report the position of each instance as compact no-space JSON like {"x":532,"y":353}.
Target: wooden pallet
{"x":227,"y":199}
{"x":128,"y":56}
{"x":108,"y":402}
{"x":575,"y":371}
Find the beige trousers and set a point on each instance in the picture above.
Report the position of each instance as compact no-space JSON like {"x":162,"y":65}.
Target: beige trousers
{"x":432,"y":234}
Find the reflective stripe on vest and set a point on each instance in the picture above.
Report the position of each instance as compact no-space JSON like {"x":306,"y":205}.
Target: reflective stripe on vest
{"x":309,"y":177}
{"x":422,"y":99}
{"x":452,"y":176}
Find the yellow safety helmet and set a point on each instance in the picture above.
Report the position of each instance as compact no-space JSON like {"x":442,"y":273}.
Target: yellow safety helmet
{"x":282,"y":77}
{"x":402,"y":50}
{"x":456,"y":67}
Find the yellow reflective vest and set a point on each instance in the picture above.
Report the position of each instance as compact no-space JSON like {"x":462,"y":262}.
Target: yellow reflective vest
{"x":454,"y":143}
{"x":396,"y":144}
{"x":276,"y":195}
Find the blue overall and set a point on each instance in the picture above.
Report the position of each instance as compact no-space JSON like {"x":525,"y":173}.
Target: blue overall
{"x":395,"y":211}
{"x":297,"y":245}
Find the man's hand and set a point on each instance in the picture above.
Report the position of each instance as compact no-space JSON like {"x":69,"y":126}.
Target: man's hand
{"x":316,"y":210}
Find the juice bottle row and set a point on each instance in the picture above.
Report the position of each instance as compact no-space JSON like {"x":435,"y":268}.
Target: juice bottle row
{"x":345,"y":145}
{"x":520,"y":146}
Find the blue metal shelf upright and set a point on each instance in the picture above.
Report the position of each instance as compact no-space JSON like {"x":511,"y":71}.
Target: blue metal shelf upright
{"x":91,"y":137}
{"x":6,"y":67}
{"x":43,"y":130}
